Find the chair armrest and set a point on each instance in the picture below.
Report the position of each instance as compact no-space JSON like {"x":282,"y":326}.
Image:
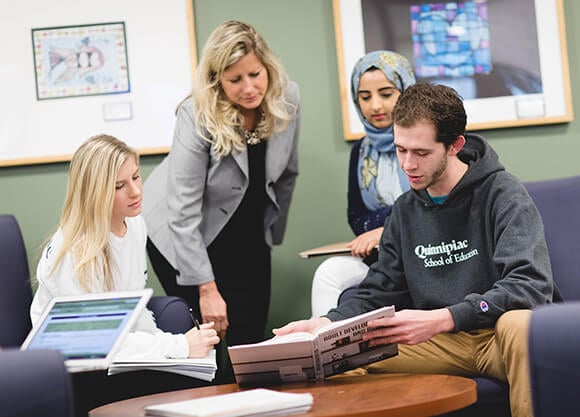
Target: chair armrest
{"x":171,"y":313}
{"x":554,"y":346}
{"x":35,"y":383}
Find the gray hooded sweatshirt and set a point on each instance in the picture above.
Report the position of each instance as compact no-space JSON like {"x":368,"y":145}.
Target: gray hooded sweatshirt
{"x":480,"y":253}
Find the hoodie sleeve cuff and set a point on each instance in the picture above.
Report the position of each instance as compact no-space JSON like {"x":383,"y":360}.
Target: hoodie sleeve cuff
{"x":334,"y":315}
{"x":463,"y":316}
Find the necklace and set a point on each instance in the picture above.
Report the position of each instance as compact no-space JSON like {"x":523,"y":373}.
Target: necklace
{"x":253,"y":137}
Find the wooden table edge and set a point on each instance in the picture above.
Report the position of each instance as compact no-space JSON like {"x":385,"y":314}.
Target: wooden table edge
{"x":463,"y":395}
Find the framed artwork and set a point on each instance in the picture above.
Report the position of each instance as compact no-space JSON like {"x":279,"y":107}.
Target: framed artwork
{"x":83,"y":68}
{"x":80,"y":60}
{"x":508,"y":60}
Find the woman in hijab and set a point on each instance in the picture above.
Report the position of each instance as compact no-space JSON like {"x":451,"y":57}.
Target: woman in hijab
{"x":375,"y":177}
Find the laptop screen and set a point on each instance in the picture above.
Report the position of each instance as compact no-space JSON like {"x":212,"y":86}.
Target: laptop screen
{"x":86,"y":328}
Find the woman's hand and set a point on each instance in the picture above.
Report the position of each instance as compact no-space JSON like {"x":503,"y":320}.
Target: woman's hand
{"x":213,"y":307}
{"x":363,"y":245}
{"x":201,"y":341}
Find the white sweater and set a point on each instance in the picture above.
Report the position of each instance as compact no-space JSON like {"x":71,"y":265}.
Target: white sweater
{"x":146,"y":340}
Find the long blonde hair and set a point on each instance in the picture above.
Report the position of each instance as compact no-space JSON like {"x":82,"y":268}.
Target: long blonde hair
{"x":217,"y":119}
{"x":88,"y":207}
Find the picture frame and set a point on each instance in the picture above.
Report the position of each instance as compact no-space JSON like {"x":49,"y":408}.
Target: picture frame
{"x":521,"y":74}
{"x":83,"y":60}
{"x":160,"y":49}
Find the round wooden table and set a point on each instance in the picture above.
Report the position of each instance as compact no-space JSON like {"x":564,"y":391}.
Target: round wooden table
{"x":395,"y":395}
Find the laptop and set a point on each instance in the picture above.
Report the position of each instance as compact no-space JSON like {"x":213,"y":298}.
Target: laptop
{"x":88,"y":329}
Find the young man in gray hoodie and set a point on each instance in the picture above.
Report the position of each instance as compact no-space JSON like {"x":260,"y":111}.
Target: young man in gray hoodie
{"x":462,"y":257}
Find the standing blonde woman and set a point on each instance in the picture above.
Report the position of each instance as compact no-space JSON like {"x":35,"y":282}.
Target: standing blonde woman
{"x":100,"y":246}
{"x":220,"y":199}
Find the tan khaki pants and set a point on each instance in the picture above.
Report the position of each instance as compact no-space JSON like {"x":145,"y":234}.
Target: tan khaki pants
{"x":501,"y":353}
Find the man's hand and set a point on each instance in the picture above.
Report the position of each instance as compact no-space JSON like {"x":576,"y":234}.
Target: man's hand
{"x":410,"y":327}
{"x":213,"y":307}
{"x":309,"y":326}
{"x":363,"y":245}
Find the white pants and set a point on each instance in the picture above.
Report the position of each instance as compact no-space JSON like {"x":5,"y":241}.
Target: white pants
{"x":331,"y":278}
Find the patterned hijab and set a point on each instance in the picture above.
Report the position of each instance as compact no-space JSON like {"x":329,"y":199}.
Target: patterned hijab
{"x":377,"y":147}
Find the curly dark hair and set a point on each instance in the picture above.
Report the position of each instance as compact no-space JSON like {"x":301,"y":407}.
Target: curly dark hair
{"x":438,"y":104}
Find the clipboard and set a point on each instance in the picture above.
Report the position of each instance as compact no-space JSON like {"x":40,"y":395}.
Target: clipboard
{"x":332,"y":249}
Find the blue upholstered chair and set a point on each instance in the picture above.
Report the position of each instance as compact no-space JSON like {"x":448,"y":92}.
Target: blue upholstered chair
{"x":16,"y":294}
{"x":558,"y":202}
{"x":171,"y":313}
{"x":34,"y":383}
{"x":554,"y":360}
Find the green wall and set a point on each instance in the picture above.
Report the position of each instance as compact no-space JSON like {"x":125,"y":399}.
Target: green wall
{"x":301,"y":32}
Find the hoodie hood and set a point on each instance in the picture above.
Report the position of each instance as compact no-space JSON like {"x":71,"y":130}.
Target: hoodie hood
{"x":483,"y":162}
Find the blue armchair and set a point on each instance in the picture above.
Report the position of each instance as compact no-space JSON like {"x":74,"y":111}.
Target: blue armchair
{"x":558,"y":202}
{"x":554,"y":361}
{"x":16,"y":294}
{"x":171,"y":313}
{"x":34,"y":383}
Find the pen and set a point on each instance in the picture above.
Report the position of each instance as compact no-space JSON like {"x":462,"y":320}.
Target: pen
{"x":194,"y":320}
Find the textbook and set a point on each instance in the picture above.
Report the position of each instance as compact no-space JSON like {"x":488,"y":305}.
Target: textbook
{"x":255,"y":402}
{"x":300,"y":356}
{"x":200,"y":368}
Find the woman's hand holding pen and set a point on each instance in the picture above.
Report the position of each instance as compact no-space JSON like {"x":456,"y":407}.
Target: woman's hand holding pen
{"x":201,"y":339}
{"x":213,"y":307}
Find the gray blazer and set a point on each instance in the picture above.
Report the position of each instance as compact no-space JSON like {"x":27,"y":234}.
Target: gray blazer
{"x":192,"y":194}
